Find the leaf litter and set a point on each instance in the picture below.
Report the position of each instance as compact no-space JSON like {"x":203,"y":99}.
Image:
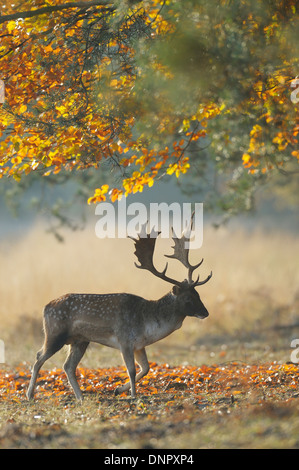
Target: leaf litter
{"x":229,"y":404}
{"x":229,"y":380}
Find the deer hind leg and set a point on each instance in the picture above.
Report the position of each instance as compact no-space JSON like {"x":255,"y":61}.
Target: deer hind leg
{"x":76,"y":353}
{"x":48,"y":350}
{"x":142,"y":361}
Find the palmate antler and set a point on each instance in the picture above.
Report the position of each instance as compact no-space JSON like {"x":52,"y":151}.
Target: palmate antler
{"x":144,"y":250}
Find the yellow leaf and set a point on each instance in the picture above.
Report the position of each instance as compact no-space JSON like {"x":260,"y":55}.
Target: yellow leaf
{"x":171,"y":169}
{"x":116,"y":194}
{"x":93,"y":199}
{"x":114,"y":82}
{"x":104,"y":188}
{"x":16,"y":177}
{"x":22,"y":109}
{"x":70,"y":32}
{"x":246,"y":157}
{"x":256,"y":130}
{"x":186,"y":124}
{"x":11,"y":26}
{"x":16,"y":160}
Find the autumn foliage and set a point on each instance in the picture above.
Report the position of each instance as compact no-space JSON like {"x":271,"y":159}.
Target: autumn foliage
{"x":225,"y":381}
{"x":141,"y":84}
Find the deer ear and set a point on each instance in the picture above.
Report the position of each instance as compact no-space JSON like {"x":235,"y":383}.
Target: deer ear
{"x":175,"y":290}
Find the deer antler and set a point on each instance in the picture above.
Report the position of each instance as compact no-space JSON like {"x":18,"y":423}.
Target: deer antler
{"x":144,"y":250}
{"x":181,"y":253}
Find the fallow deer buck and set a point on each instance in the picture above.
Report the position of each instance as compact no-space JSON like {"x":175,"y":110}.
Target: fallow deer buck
{"x":122,"y":321}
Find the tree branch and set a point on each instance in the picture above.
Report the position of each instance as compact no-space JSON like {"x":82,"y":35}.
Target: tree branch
{"x":51,"y":8}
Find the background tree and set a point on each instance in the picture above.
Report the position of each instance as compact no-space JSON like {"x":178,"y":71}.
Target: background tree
{"x":150,"y":88}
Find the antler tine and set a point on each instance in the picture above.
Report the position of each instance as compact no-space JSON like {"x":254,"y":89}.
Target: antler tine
{"x":181,"y":253}
{"x":200,"y":283}
{"x":191,"y":269}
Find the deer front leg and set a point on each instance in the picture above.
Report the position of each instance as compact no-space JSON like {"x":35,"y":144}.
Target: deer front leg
{"x":142,"y":361}
{"x":128,"y":356}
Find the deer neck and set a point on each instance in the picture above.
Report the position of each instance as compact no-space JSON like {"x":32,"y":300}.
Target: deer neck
{"x":164,"y":319}
{"x":167,"y":307}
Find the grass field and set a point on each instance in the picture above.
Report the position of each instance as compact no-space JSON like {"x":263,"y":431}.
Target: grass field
{"x":253,"y":300}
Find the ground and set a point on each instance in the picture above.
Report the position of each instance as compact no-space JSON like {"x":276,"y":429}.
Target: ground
{"x":230,"y":405}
